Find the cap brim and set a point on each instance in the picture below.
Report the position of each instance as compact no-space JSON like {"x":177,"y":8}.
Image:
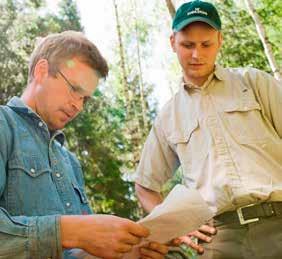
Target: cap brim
{"x":188,"y":21}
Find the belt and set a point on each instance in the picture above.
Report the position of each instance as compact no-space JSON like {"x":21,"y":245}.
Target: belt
{"x":251,"y":213}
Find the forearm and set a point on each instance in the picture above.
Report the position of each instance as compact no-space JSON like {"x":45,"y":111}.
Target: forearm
{"x":71,"y":227}
{"x":104,"y":236}
{"x":149,"y":199}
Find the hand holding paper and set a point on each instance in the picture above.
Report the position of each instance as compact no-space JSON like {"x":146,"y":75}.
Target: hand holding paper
{"x":182,"y":211}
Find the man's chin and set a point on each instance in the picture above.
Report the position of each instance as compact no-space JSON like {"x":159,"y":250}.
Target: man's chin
{"x":198,"y":73}
{"x":57,"y":126}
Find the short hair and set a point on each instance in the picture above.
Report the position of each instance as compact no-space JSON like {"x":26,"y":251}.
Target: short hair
{"x":59,"y":47}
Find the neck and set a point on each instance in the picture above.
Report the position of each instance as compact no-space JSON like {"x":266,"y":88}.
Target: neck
{"x":195,"y":81}
{"x":28,"y":97}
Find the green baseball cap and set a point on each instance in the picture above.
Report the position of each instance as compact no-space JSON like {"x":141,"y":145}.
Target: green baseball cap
{"x":196,"y":11}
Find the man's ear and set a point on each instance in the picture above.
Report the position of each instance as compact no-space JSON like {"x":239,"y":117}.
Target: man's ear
{"x":172,"y":41}
{"x":41,"y":70}
{"x":220,"y":39}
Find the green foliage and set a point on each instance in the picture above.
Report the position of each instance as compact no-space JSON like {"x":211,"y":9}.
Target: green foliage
{"x":100,"y":135}
{"x":138,"y":111}
{"x":242,"y":46}
{"x":270,"y":11}
{"x":21,"y":24}
{"x":96,"y":136}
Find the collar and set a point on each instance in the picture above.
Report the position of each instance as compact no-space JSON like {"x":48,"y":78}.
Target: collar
{"x":220,"y":72}
{"x":17,"y":105}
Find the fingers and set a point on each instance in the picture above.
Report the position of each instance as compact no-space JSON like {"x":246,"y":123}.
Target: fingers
{"x":208,"y":229}
{"x":149,"y":252}
{"x":118,"y":256}
{"x":153,"y":250}
{"x":188,"y":241}
{"x":123,"y":248}
{"x":201,"y":236}
{"x":131,"y":239}
{"x":138,"y":230}
{"x":160,"y":248}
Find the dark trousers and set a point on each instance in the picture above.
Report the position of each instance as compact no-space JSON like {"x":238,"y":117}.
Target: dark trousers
{"x":258,"y":240}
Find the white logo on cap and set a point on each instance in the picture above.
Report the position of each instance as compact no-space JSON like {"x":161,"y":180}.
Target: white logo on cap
{"x":197,"y":11}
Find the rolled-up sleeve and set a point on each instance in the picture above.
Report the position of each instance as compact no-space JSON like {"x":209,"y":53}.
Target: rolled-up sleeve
{"x":23,"y":236}
{"x":158,"y":160}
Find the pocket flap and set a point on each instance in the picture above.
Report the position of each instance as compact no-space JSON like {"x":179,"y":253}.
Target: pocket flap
{"x":32,"y":165}
{"x":80,"y":193}
{"x":240,"y":107}
{"x":183,"y":136}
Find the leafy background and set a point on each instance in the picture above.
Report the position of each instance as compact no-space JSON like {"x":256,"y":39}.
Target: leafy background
{"x":109,"y":135}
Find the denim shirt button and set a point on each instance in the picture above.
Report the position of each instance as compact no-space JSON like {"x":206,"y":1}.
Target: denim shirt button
{"x":58,"y":175}
{"x":40,"y":124}
{"x":32,"y":170}
{"x":68,"y":204}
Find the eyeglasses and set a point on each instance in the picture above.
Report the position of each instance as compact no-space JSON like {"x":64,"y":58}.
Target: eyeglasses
{"x":75,"y":91}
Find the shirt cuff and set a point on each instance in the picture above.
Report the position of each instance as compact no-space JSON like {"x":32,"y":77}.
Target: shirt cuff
{"x":45,"y":237}
{"x":145,"y":182}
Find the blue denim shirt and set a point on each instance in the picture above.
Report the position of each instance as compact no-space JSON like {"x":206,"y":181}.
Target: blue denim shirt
{"x":39,"y":181}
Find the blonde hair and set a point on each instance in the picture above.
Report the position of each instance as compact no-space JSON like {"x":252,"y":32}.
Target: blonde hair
{"x":59,"y":47}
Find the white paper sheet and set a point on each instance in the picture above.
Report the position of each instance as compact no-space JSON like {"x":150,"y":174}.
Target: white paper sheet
{"x":182,"y":211}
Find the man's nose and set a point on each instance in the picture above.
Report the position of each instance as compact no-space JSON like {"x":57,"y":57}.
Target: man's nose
{"x":196,"y":53}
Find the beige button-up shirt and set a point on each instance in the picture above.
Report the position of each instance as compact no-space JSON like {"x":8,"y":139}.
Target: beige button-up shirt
{"x":227,"y":137}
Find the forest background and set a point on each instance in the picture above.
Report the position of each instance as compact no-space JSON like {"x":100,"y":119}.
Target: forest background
{"x":108,"y":136}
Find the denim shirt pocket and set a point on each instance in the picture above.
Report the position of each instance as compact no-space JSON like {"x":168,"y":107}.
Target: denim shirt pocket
{"x":84,"y":204}
{"x":36,"y":192}
{"x":30,"y":164}
{"x":80,"y":193}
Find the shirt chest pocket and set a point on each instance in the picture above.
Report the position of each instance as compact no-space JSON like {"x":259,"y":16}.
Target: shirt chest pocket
{"x":244,"y":122}
{"x":79,"y":191}
{"x":30,"y":188}
{"x":190,"y":146}
{"x":28,"y":165}
{"x":81,"y":199}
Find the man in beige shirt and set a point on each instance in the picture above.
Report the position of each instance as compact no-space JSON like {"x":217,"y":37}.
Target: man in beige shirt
{"x":224,"y":128}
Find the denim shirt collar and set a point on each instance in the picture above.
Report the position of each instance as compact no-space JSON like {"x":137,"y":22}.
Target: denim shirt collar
{"x":19,"y":106}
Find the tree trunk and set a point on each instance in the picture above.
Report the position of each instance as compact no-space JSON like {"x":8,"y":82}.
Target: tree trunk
{"x":141,"y":84}
{"x":170,"y":7}
{"x":264,"y":40}
{"x":122,"y":60}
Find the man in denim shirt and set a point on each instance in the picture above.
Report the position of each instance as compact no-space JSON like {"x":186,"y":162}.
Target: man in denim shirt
{"x":43,"y":205}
